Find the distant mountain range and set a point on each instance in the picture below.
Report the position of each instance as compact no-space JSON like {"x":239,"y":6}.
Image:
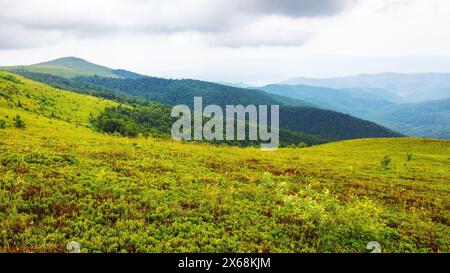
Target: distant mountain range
{"x":295,"y":115}
{"x":412,"y":104}
{"x":407,"y":87}
{"x":357,"y":102}
{"x":429,"y":119}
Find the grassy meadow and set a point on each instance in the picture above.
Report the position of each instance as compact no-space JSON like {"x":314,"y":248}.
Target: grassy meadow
{"x":61,"y":181}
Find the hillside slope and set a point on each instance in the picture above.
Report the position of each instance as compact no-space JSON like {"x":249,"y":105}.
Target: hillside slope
{"x":70,"y":67}
{"x":130,"y":119}
{"x":20,"y":93}
{"x":60,"y":181}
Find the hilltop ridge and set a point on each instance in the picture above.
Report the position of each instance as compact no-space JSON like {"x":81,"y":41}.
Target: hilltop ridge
{"x":71,"y":67}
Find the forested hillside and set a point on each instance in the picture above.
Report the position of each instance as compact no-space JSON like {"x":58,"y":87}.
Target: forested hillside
{"x":111,"y":113}
{"x":295,"y":115}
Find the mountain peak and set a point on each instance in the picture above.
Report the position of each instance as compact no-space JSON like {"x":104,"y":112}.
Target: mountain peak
{"x":73,"y":66}
{"x":73,"y":62}
{"x":81,"y":67}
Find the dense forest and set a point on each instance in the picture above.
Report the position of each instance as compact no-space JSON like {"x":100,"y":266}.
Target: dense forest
{"x":154,"y":120}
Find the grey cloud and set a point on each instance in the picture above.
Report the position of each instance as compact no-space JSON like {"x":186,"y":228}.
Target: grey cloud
{"x":298,"y":8}
{"x":222,"y":19}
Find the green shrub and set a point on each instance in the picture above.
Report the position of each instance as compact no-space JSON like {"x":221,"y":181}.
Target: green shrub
{"x":386,"y":161}
{"x":2,"y":124}
{"x":19,"y":123}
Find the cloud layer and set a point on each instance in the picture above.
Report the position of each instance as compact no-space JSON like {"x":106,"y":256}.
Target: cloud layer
{"x":231,"y":23}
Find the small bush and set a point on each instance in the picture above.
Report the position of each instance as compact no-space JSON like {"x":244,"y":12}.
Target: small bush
{"x":19,"y":123}
{"x":386,"y":161}
{"x":2,"y":124}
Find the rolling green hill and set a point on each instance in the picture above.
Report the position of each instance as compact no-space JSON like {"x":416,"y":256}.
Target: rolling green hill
{"x":62,"y":181}
{"x":23,"y":94}
{"x":124,"y":116}
{"x":70,"y":67}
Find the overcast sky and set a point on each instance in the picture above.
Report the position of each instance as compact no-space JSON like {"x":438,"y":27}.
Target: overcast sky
{"x":252,"y":41}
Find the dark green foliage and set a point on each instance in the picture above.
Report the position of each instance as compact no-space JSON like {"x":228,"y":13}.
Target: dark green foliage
{"x":329,"y":124}
{"x":2,"y":124}
{"x":18,"y":122}
{"x":153,"y":119}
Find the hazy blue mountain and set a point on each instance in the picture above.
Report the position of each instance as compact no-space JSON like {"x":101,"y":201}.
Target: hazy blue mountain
{"x":237,"y":84}
{"x":425,"y":119}
{"x":409,"y":87}
{"x":356,"y":102}
{"x":373,"y":93}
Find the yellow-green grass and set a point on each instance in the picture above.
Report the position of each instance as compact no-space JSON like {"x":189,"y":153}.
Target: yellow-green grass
{"x":17,"y":92}
{"x":61,"y":182}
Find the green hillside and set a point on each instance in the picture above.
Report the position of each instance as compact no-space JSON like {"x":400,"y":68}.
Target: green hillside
{"x":71,"y":67}
{"x":20,"y":93}
{"x":132,"y":118}
{"x":60,"y":181}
